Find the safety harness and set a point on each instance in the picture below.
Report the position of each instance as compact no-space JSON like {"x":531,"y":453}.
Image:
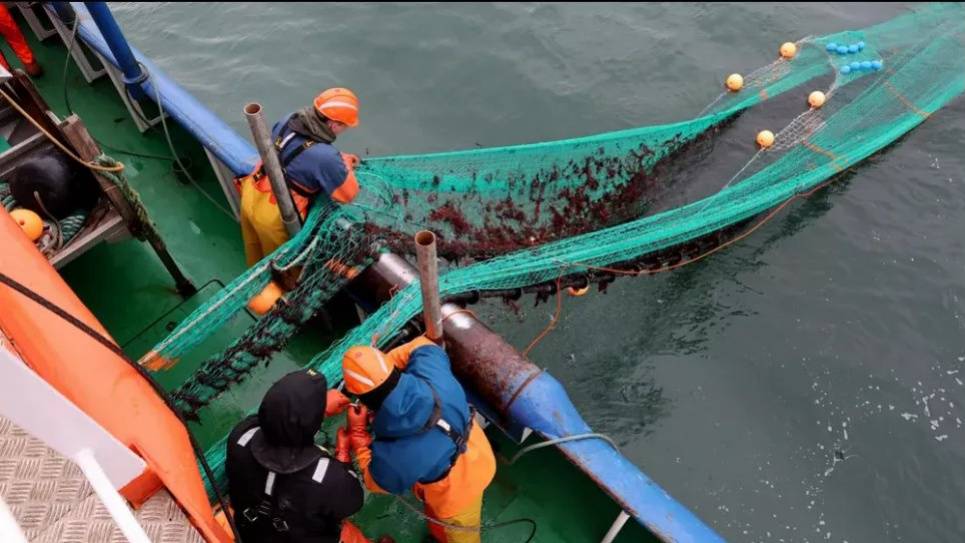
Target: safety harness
{"x":436,"y":421}
{"x":266,"y":510}
{"x":280,"y":144}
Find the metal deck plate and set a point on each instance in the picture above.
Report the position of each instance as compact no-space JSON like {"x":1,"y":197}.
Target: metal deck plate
{"x":53,"y":503}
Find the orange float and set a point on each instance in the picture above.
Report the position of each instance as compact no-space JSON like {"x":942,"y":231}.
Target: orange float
{"x":262,"y":302}
{"x":31,"y":223}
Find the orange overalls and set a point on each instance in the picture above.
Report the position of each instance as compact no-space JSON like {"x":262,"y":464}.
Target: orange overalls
{"x":11,"y":32}
{"x":455,"y":500}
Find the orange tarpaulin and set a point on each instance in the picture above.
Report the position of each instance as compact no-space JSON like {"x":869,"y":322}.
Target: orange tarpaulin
{"x":98,"y":381}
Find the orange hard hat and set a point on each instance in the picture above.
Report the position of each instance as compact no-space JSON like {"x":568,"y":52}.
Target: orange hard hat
{"x":339,"y":105}
{"x":364,"y":369}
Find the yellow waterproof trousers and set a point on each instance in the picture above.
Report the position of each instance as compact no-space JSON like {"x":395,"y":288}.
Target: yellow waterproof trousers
{"x":261,"y":226}
{"x":470,"y":517}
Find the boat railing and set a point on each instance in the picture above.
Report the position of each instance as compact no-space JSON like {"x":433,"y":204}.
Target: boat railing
{"x":229,"y":154}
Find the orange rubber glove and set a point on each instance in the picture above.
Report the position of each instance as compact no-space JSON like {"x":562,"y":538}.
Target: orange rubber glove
{"x":342,"y":445}
{"x":360,"y":439}
{"x":336,"y":402}
{"x":358,"y":421}
{"x":350,"y":160}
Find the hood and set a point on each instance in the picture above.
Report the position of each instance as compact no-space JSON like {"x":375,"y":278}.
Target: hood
{"x":309,"y":123}
{"x":289,"y":417}
{"x":405,"y":410}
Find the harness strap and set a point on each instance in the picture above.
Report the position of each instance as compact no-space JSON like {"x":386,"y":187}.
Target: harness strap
{"x":265,"y":508}
{"x":280,"y":144}
{"x":435,"y":420}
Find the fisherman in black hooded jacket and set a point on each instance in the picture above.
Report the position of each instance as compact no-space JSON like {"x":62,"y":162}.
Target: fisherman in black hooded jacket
{"x":283,"y":487}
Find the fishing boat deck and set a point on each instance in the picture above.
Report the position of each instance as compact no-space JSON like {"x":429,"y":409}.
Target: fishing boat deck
{"x":127,"y":288}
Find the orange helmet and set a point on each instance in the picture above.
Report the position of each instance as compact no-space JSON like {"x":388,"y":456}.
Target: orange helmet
{"x":364,"y":369}
{"x":339,"y":105}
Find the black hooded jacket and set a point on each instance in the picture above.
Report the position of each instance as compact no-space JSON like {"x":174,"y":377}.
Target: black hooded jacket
{"x":311,"y":492}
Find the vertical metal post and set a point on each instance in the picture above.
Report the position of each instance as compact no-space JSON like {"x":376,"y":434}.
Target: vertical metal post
{"x":77,"y":135}
{"x":425,"y":246}
{"x":269,"y":158}
{"x":615,"y":528}
{"x":134,"y":76}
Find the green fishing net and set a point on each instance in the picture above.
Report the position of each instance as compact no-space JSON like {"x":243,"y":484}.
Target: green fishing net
{"x":513,"y":217}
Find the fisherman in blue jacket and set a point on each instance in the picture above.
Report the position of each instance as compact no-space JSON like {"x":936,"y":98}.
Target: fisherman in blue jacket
{"x":311,"y":165}
{"x":423,"y":434}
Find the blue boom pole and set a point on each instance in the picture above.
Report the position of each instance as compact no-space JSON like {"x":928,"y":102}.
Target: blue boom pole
{"x":134,"y":76}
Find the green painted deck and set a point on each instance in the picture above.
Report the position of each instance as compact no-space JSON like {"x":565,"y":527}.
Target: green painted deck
{"x":127,"y":288}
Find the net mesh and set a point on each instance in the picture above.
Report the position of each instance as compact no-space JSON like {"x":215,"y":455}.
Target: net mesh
{"x":517,"y":216}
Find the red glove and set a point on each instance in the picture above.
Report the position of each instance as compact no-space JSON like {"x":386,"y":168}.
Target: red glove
{"x":335,"y":402}
{"x":342,"y":445}
{"x":358,"y":420}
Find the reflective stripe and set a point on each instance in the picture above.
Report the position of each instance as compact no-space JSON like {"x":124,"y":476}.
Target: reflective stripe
{"x":270,"y":483}
{"x":378,"y":355}
{"x":359,"y":378}
{"x":320,"y":470}
{"x":285,"y":140}
{"x":441,"y":423}
{"x":246,"y":437}
{"x":338,"y":103}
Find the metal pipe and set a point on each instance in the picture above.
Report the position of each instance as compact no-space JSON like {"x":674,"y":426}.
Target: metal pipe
{"x":133,"y":75}
{"x":615,"y":528}
{"x":425,"y":247}
{"x":65,"y":12}
{"x":269,"y":158}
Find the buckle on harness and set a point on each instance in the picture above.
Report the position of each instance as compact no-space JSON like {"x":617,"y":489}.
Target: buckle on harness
{"x":279,"y":524}
{"x":250,"y":516}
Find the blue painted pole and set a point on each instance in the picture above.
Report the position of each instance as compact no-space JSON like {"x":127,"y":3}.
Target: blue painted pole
{"x":65,"y":12}
{"x":134,"y":76}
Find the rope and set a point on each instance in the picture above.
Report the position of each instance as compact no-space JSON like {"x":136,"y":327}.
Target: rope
{"x":517,"y":456}
{"x":556,"y":317}
{"x":762,"y":222}
{"x":96,"y":167}
{"x":72,"y":225}
{"x":59,"y":232}
{"x":458,"y":311}
{"x":471,"y":529}
{"x":904,"y":100}
{"x":560,"y":440}
{"x":145,"y":230}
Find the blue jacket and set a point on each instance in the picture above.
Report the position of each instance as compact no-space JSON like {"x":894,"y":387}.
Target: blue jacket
{"x":403,"y":453}
{"x":318,"y":167}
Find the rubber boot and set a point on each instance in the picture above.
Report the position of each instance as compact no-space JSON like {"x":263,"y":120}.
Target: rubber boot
{"x":34,"y":69}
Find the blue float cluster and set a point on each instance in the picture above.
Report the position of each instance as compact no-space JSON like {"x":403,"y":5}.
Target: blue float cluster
{"x":866,"y":66}
{"x":842,"y":49}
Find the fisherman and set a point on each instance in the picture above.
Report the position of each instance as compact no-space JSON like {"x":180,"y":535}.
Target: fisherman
{"x":11,"y":33}
{"x":311,"y":164}
{"x":424,"y":435}
{"x":283,"y":487}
